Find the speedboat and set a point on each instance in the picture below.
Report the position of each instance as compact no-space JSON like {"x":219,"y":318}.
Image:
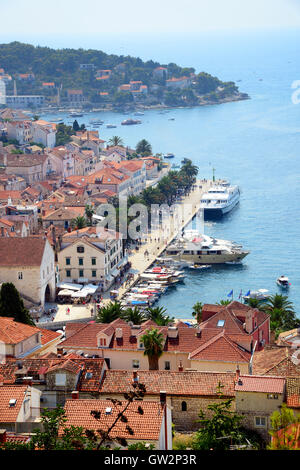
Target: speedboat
{"x":110,"y":126}
{"x":169,"y":155}
{"x":130,"y":122}
{"x":197,"y":248}
{"x":219,"y":199}
{"x":260,"y":294}
{"x":283,"y":281}
{"x":200,"y":266}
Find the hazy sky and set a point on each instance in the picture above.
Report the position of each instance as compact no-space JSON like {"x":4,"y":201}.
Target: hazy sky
{"x":59,"y":17}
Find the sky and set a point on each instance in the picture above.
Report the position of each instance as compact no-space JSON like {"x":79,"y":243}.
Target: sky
{"x":35,"y":18}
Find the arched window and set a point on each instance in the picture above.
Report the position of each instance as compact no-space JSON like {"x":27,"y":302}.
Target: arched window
{"x":183,"y":406}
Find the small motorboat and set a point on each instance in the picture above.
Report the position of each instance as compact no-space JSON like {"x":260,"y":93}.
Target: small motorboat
{"x":200,"y":266}
{"x":283,"y":281}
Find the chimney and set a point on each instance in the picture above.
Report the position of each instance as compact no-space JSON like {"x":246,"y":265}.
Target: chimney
{"x":249,"y":321}
{"x":2,"y":436}
{"x":60,"y":351}
{"x":180,"y":367}
{"x":2,"y":231}
{"x":75,"y":395}
{"x":198,"y":332}
{"x":237,"y":373}
{"x":162,"y":397}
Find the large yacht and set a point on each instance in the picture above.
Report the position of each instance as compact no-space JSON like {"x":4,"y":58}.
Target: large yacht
{"x":219,"y":199}
{"x":202,"y":249}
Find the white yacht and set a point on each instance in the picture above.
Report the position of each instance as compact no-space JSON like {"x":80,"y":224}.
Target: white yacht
{"x":220,"y":199}
{"x":202,"y":249}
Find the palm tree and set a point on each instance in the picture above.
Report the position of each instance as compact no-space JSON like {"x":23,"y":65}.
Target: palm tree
{"x":135,"y":315}
{"x":115,"y":140}
{"x":282,"y":314}
{"x":197,"y":311}
{"x":109,"y":313}
{"x":224,"y":302}
{"x":89,"y":211}
{"x":78,"y":223}
{"x":153,"y":342}
{"x":143,"y":148}
{"x":159,"y":316}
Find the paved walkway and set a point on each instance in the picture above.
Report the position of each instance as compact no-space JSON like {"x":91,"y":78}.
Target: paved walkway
{"x":157,"y":241}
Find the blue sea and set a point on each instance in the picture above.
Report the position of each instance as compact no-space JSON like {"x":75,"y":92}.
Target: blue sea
{"x":253,"y":143}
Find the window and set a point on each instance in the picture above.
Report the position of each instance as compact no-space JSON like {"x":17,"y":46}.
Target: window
{"x":167,"y":365}
{"x":80,"y":261}
{"x":221,"y":323}
{"x":260,"y":421}
{"x":68,"y":273}
{"x":89,"y":375}
{"x":183,"y":406}
{"x":102,"y":341}
{"x":80,"y":272}
{"x":93,"y":261}
{"x":135,"y":363}
{"x":94,"y":273}
{"x":20,"y":276}
{"x":80,"y":249}
{"x":60,"y":379}
{"x":272,"y":396}
{"x":68,"y":261}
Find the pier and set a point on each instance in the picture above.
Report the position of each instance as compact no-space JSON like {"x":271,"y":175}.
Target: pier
{"x":157,"y":241}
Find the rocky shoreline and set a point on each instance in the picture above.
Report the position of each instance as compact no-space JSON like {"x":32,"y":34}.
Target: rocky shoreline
{"x":141,"y":107}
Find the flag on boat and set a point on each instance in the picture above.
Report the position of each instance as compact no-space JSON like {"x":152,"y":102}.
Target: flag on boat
{"x":240,"y":296}
{"x":248,"y":293}
{"x":230,"y":293}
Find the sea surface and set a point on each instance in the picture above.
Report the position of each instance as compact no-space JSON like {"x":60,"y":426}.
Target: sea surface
{"x":253,"y":143}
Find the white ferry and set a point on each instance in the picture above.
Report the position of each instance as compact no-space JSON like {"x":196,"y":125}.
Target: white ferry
{"x":220,"y":199}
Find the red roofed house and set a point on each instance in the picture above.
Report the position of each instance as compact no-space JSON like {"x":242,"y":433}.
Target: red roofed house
{"x":75,"y":96}
{"x":19,"y":408}
{"x":56,"y":377}
{"x":241,"y":319}
{"x":160,"y":72}
{"x":257,"y":397}
{"x":182,"y":82}
{"x":187,"y":391}
{"x":210,"y":349}
{"x":154,"y":426}
{"x":135,"y":169}
{"x":19,"y":340}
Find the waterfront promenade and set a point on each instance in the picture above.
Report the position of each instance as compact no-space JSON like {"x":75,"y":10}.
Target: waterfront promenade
{"x":154,"y":243}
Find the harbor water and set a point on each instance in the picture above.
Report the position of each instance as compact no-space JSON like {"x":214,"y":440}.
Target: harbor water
{"x":253,"y":143}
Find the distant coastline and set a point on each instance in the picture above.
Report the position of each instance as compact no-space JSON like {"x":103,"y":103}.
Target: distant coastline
{"x":143,"y":107}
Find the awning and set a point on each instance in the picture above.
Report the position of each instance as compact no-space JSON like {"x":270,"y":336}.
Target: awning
{"x":83,"y":279}
{"x":69,"y":285}
{"x":109,"y":278}
{"x":115,"y":272}
{"x":65,"y":292}
{"x":81,"y":293}
{"x":91,"y":288}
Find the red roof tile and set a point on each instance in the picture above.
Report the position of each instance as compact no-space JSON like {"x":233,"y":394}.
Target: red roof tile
{"x":264,"y":384}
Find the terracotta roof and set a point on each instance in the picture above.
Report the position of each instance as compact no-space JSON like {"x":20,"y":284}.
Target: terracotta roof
{"x":220,"y":346}
{"x":264,"y":384}
{"x":65,"y":213}
{"x":9,"y":414}
{"x":173,"y":383}
{"x":22,"y":251}
{"x":293,"y":392}
{"x":146,"y":426}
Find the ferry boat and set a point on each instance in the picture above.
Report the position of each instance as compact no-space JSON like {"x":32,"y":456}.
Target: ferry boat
{"x":202,"y":249}
{"x":220,"y":199}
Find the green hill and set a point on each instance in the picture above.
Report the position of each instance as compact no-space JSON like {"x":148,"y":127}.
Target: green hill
{"x":64,"y":68}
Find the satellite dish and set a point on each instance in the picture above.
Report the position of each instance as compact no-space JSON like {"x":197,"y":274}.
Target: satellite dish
{"x":296,"y":357}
